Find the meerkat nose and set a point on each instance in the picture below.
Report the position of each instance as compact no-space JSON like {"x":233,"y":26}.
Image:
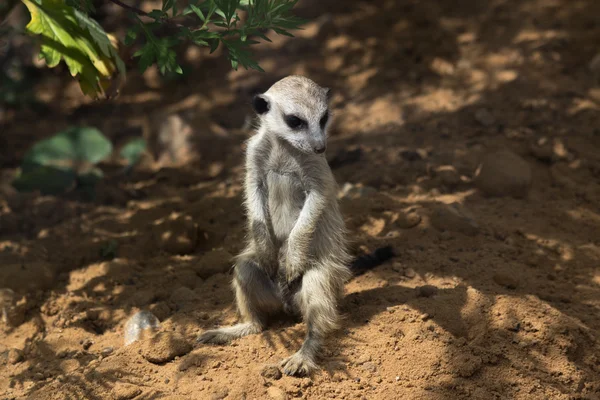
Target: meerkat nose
{"x":320,"y":150}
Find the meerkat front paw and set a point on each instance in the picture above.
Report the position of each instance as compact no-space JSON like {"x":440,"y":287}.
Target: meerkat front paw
{"x":298,"y":365}
{"x":293,"y":263}
{"x":215,"y":336}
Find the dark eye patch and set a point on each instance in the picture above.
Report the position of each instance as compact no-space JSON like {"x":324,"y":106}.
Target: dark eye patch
{"x":294,"y":122}
{"x":324,"y":120}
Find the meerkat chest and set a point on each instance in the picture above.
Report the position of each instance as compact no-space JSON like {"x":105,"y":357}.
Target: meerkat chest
{"x":286,"y":198}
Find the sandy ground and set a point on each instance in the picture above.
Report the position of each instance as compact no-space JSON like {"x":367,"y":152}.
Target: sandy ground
{"x":466,"y":135}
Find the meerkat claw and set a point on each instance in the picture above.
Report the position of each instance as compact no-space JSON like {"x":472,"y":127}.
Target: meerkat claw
{"x":298,"y":365}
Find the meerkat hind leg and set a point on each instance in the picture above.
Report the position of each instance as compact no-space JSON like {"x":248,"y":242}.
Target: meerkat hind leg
{"x":317,"y":299}
{"x":256,"y":298}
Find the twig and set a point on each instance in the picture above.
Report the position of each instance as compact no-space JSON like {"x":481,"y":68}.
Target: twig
{"x":171,"y":24}
{"x":130,"y":8}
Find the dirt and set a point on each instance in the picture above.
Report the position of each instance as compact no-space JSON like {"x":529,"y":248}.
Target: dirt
{"x":494,"y":291}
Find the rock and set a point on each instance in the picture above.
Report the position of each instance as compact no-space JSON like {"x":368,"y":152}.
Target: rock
{"x":542,"y":150}
{"x":504,"y":173}
{"x":276,"y":393}
{"x":125,"y":391}
{"x":408,"y":220}
{"x":370,"y":367}
{"x":484,"y":117}
{"x":164,"y":347}
{"x":176,"y":234}
{"x":363,"y":359}
{"x":87,"y":343}
{"x":448,"y":175}
{"x":271,"y":372}
{"x":506,"y":280}
{"x":454,"y":217}
{"x":214,"y":262}
{"x":410,"y":273}
{"x":141,"y":324}
{"x":427,"y":291}
{"x":107,"y":351}
{"x":15,"y":356}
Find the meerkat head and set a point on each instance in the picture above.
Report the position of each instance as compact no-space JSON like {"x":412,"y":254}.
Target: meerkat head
{"x":296,"y":109}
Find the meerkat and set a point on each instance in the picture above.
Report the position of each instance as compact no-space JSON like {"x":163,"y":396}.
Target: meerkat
{"x":296,"y":259}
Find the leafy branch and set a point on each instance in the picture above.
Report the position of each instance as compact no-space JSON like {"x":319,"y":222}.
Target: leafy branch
{"x":67,"y":32}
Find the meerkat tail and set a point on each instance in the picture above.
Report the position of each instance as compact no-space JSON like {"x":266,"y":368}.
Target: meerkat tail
{"x":362,"y":264}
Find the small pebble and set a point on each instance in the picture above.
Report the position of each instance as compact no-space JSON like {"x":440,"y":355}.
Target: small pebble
{"x":427,"y":291}
{"x":139,"y":324}
{"x":15,"y":356}
{"x":369,"y":366}
{"x":107,"y":351}
{"x":164,"y":347}
{"x":87,"y":343}
{"x":410,"y":273}
{"x":271,"y":372}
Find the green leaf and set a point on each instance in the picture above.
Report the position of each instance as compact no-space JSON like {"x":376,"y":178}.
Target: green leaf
{"x":198,"y":12}
{"x":157,"y":14}
{"x":147,"y":56}
{"x":283,"y":32}
{"x":68,"y":148}
{"x":239,"y":54}
{"x":133,"y":150}
{"x":167,"y":4}
{"x":48,"y":180}
{"x":66,"y":33}
{"x":214,"y":44}
{"x":85,"y":6}
{"x":131,"y":35}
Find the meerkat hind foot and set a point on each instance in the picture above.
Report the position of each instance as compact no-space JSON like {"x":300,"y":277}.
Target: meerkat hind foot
{"x":227,"y":334}
{"x":299,"y":364}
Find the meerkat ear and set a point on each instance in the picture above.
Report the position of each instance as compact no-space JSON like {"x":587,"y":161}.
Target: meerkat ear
{"x":260,"y":104}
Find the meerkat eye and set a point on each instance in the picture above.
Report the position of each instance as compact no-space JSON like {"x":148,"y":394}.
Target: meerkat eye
{"x":294,"y":122}
{"x":324,"y":120}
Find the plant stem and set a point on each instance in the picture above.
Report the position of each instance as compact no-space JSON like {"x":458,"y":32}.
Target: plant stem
{"x":130,"y":8}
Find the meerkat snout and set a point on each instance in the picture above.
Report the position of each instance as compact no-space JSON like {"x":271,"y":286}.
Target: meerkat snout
{"x":320,"y":149}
